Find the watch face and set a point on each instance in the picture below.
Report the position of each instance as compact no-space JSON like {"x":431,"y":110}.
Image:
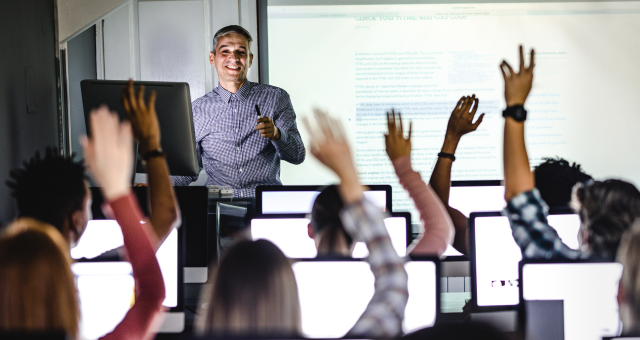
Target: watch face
{"x":517,"y":113}
{"x":520,"y":114}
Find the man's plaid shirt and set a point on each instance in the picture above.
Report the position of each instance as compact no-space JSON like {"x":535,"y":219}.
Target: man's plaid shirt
{"x":232,"y":151}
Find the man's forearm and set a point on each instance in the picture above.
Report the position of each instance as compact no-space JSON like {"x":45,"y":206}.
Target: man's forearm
{"x":517,"y":172}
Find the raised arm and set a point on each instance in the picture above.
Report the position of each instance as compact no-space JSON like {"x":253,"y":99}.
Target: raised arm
{"x":164,"y":210}
{"x":517,"y":172}
{"x":438,"y":231}
{"x":385,"y":312}
{"x":460,"y":123}
{"x":109,"y":158}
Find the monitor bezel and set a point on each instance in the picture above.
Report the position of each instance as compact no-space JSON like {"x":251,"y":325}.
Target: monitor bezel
{"x":280,"y":188}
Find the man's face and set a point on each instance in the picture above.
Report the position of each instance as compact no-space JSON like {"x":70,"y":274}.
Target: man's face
{"x":232,"y":58}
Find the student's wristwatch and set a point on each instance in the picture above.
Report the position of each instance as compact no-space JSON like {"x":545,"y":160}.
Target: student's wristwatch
{"x":516,"y":112}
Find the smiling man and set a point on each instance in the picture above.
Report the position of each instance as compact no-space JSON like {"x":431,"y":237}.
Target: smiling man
{"x":236,"y":147}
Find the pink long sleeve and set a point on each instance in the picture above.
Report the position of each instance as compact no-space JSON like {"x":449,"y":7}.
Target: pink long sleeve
{"x":438,"y":228}
{"x":139,"y":321}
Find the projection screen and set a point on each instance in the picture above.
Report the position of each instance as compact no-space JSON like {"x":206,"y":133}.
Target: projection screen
{"x":359,"y":59}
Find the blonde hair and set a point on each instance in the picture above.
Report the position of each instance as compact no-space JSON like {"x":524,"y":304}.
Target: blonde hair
{"x":37,"y":290}
{"x":253,"y":292}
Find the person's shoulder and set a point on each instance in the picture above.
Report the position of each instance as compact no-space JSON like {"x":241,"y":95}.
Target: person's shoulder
{"x":208,"y":97}
{"x":266,"y":88}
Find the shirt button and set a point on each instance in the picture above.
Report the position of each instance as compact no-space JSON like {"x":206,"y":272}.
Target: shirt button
{"x":238,"y":149}
{"x":235,"y":110}
{"x":240,"y":170}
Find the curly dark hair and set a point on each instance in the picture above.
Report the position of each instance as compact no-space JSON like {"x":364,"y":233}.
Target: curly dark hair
{"x":49,"y":188}
{"x":555,"y":179}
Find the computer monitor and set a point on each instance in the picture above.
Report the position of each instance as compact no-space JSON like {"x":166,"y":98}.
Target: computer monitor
{"x":106,"y":288}
{"x":291,"y":234}
{"x":334,"y":294}
{"x":495,"y":255}
{"x":194,"y":205}
{"x":298,"y":199}
{"x":476,"y":196}
{"x":173,"y":107}
{"x":582,"y":294}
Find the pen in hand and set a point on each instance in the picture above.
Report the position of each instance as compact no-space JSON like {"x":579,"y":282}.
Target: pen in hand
{"x":258,"y":111}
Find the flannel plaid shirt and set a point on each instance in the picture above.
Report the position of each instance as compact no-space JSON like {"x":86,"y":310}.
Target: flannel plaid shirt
{"x":233,"y":152}
{"x":527,"y":213}
{"x":385,"y":312}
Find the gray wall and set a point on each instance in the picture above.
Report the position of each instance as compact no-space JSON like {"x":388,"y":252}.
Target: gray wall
{"x":28,"y":93}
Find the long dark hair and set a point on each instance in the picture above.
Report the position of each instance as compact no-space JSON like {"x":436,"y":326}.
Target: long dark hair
{"x":607,"y":209}
{"x":326,"y":223}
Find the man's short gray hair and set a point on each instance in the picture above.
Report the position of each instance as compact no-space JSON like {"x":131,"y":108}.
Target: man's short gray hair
{"x":229,"y":30}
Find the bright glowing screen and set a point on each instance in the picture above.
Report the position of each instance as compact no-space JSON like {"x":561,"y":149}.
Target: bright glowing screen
{"x":588,"y":291}
{"x":333,"y":295}
{"x":301,"y":202}
{"x":292,"y":237}
{"x":497,"y":256}
{"x":104,"y":235}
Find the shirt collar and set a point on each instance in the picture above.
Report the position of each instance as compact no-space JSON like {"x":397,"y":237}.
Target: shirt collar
{"x":242,"y":94}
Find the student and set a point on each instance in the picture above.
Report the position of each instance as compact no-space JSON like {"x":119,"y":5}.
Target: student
{"x":554,"y":178}
{"x":326,"y":228}
{"x":438,"y":231}
{"x":53,"y":188}
{"x":36,"y":266}
{"x":360,"y":218}
{"x":629,"y":286}
{"x":606,"y":209}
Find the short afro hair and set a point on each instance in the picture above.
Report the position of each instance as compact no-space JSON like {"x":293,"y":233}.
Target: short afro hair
{"x":555,"y":179}
{"x":49,"y":189}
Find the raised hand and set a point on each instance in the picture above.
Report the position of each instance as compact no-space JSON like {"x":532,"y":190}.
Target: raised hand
{"x":142,"y":116}
{"x":267,"y":129}
{"x":461,"y":120}
{"x":329,"y":146}
{"x":396,"y":145}
{"x":517,"y":85}
{"x":108,"y":154}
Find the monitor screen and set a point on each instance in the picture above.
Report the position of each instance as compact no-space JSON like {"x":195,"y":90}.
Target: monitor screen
{"x":468,"y":199}
{"x":292,"y":237}
{"x":588,"y":292}
{"x":105,"y":292}
{"x":334,"y":294}
{"x":103,"y":235}
{"x":301,"y":202}
{"x":497,"y":256}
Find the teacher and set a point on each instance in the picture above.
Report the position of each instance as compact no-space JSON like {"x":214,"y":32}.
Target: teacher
{"x":237,"y":148}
